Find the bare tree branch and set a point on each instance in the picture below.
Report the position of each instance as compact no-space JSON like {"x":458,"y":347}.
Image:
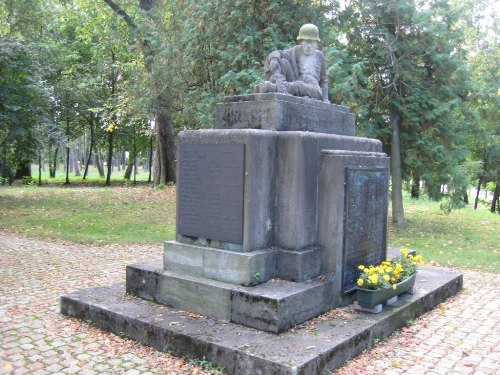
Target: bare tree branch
{"x":117,"y":9}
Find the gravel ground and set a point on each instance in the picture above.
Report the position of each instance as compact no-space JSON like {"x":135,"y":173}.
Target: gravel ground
{"x":458,"y":337}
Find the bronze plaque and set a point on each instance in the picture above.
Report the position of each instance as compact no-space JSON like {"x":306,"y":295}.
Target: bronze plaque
{"x":210,"y":191}
{"x":365,"y":221}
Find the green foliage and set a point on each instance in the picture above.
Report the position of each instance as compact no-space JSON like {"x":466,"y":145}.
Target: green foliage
{"x":412,"y":58}
{"x":484,"y":130}
{"x":24,"y":104}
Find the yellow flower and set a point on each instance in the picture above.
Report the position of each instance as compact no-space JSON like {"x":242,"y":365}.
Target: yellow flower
{"x":366,"y":270}
{"x":394,"y":286}
{"x":374,"y":278}
{"x":419,"y":259}
{"x":360,"y":282}
{"x":388,"y":269}
{"x":393,"y":280}
{"x":386,"y":277}
{"x":111,"y":127}
{"x":404,"y":251}
{"x":361,"y":267}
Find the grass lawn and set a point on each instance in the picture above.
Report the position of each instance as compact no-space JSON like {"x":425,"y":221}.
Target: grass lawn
{"x":90,"y":215}
{"x":92,"y":176}
{"x":464,"y":238}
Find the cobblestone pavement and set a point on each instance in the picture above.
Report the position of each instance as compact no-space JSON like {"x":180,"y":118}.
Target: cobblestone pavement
{"x":459,"y":337}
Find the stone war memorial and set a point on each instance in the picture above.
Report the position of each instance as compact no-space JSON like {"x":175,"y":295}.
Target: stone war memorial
{"x":276,"y":208}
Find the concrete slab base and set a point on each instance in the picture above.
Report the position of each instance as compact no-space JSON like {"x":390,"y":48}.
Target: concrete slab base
{"x":372,"y":310}
{"x":273,"y":307}
{"x":316,"y":347}
{"x":391,"y":301}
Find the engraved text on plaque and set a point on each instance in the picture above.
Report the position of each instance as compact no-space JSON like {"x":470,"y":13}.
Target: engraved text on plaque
{"x":210,"y":195}
{"x":365,"y":220}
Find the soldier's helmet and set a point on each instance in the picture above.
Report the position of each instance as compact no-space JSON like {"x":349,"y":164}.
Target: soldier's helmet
{"x":309,"y":32}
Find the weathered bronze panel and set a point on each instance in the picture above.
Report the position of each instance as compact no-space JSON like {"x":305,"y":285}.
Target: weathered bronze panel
{"x":365,"y":220}
{"x":210,"y":191}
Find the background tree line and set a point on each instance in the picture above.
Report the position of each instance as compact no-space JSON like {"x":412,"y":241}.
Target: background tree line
{"x":90,"y":80}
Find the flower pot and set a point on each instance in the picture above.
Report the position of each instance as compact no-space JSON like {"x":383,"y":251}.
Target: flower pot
{"x":372,"y":298}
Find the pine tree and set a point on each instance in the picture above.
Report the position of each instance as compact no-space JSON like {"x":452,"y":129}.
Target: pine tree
{"x":418,"y":87}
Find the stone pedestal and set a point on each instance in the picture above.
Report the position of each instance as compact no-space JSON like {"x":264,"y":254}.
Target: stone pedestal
{"x":276,"y":208}
{"x":271,"y":193}
{"x":282,"y":112}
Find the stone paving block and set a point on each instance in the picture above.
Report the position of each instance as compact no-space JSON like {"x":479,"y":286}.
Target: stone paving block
{"x":54,"y":368}
{"x":89,"y":266}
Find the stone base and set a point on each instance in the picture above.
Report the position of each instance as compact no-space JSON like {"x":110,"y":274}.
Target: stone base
{"x":391,"y":301}
{"x":373,"y":310}
{"x":228,"y":266}
{"x":242,"y":268}
{"x":272,"y":307}
{"x":275,"y":111}
{"x":318,"y":347}
{"x":299,"y":265}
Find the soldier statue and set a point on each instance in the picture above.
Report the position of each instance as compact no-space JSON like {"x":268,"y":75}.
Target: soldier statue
{"x":298,"y":71}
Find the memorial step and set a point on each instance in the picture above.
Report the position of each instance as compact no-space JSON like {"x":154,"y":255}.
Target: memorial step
{"x":274,"y":306}
{"x":317,"y":347}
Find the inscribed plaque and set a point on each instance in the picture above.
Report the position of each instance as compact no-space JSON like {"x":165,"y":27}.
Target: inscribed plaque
{"x":210,"y":195}
{"x":365,"y":221}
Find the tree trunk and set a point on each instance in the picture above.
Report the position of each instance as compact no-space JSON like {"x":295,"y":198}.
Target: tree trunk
{"x":136,"y":168}
{"x":90,"y":149}
{"x":67,"y":153}
{"x":398,"y":215}
{"x":130,"y":165}
{"x":110,"y":158}
{"x":118,"y":159}
{"x":75,"y":163}
{"x":150,"y":161}
{"x":53,"y":164}
{"x":39,"y":170}
{"x":23,"y":170}
{"x":481,"y":178}
{"x":128,"y":170}
{"x":99,"y":163}
{"x":165,"y":154}
{"x":495,"y":203}
{"x":134,"y":160}
{"x":415,"y":186}
{"x":477,"y":193}
{"x":67,"y":166}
